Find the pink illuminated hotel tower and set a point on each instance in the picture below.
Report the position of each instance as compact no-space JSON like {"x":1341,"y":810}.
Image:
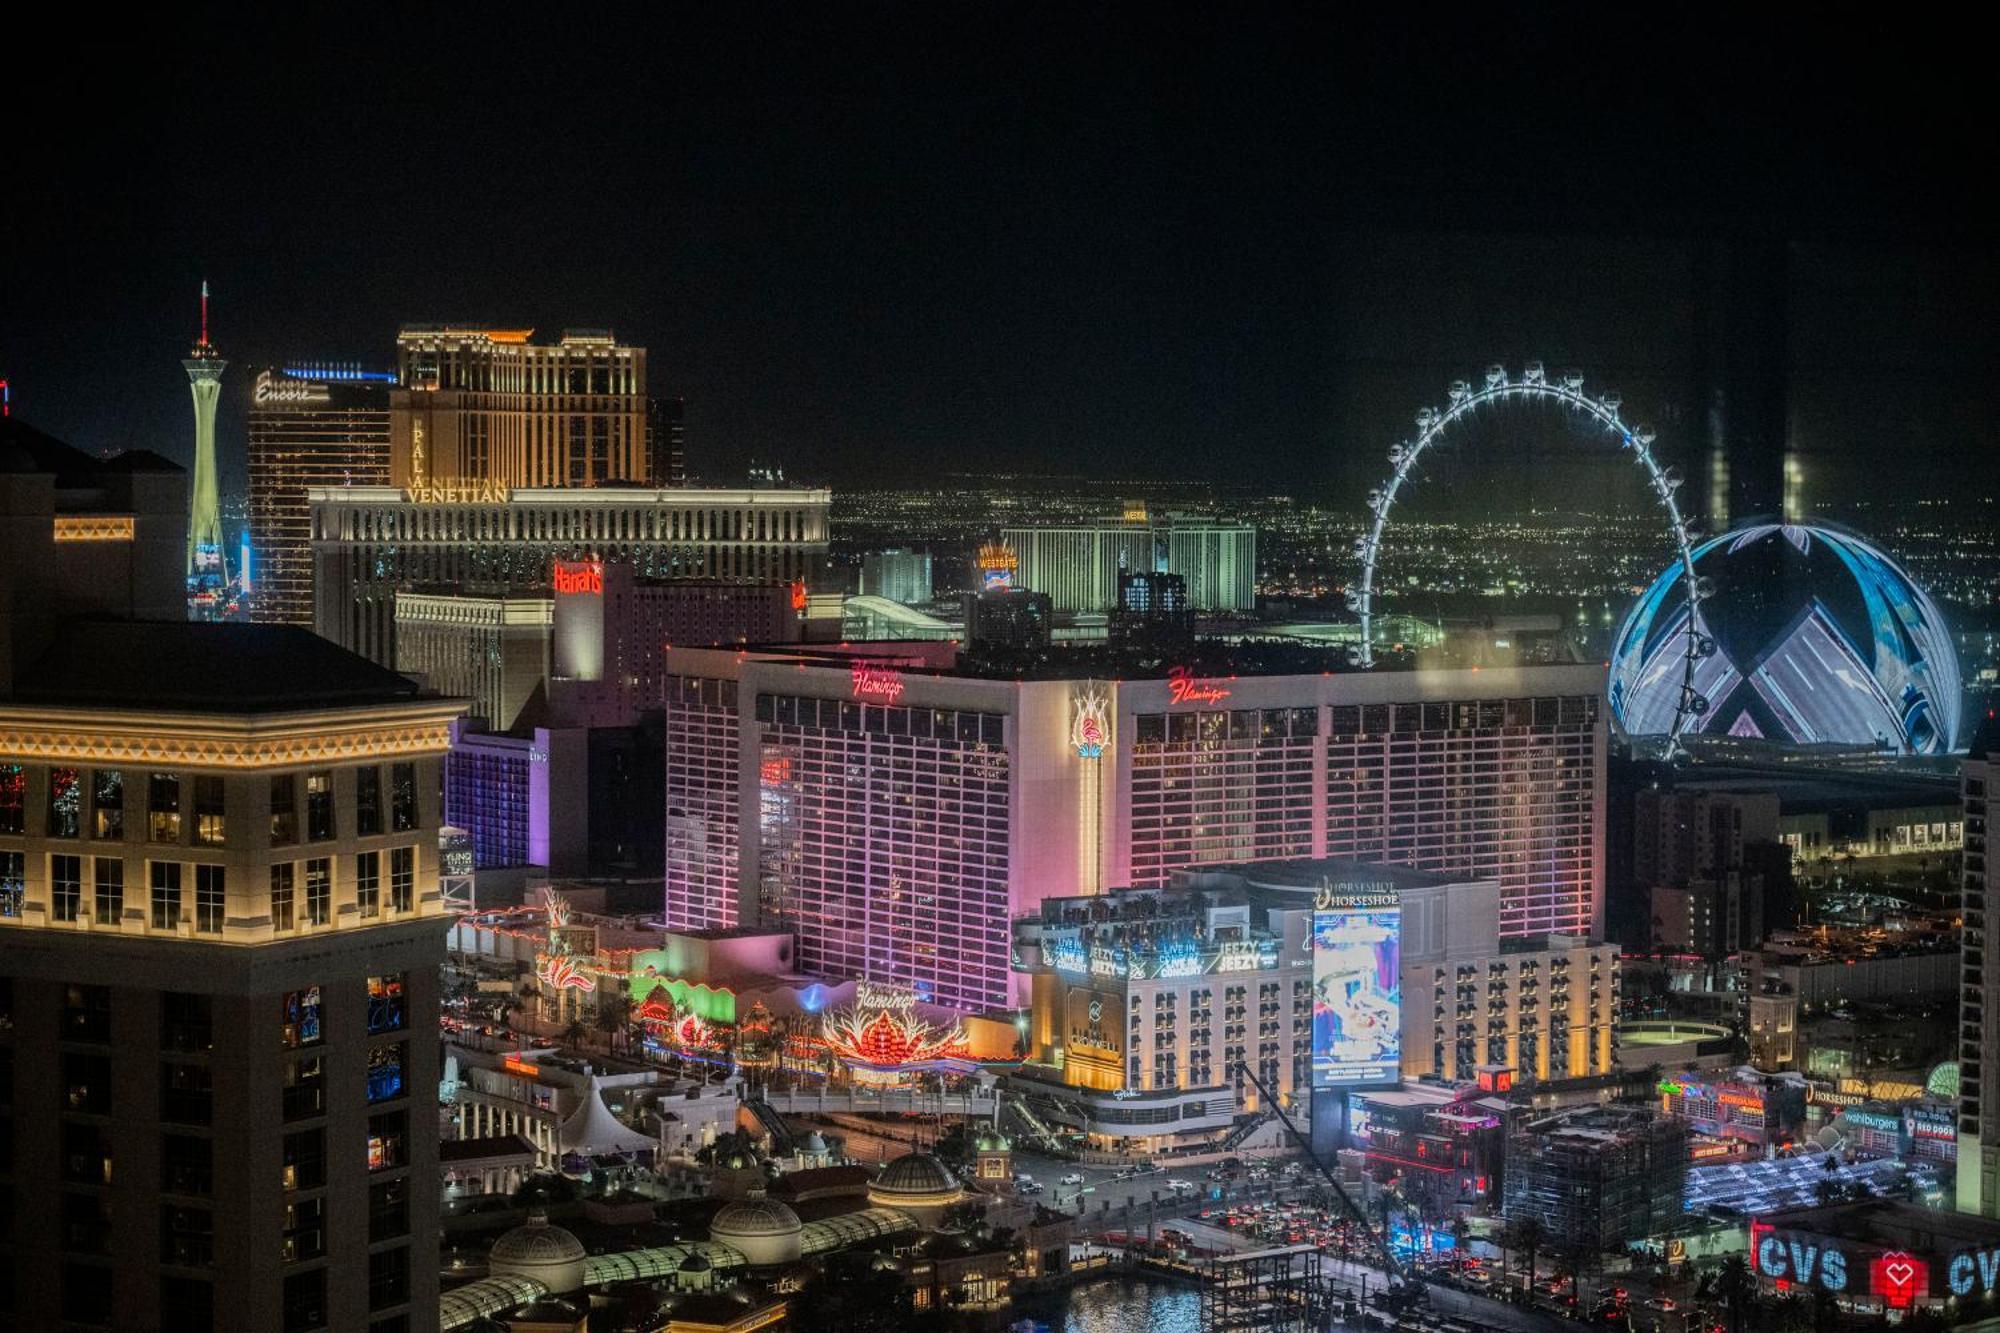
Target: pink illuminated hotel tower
{"x":898,"y":813}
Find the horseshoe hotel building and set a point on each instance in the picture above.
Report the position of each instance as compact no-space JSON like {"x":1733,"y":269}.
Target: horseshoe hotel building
{"x":897,"y":812}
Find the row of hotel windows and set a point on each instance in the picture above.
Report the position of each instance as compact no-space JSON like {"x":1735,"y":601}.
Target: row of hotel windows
{"x":168,"y":881}
{"x":169,"y":795}
{"x":787,"y":710}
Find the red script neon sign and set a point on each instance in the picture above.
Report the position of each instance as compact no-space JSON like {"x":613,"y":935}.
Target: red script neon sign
{"x":879,"y":683}
{"x":1186,"y":688}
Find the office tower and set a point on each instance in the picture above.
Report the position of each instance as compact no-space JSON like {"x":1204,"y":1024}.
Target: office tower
{"x":204,"y":539}
{"x":1688,"y":834}
{"x":220,"y":936}
{"x":481,"y":409}
{"x":1007,"y":623}
{"x":1078,"y":564}
{"x":369,"y":541}
{"x":897,"y":808}
{"x":666,"y":440}
{"x":901,"y":575}
{"x":490,"y":650}
{"x":309,"y":426}
{"x":1979,"y":1025}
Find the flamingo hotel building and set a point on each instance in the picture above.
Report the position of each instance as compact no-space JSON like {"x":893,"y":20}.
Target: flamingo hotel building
{"x":898,"y":811}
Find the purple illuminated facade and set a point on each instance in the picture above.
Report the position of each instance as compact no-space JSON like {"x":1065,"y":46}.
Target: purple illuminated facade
{"x":898,"y":813}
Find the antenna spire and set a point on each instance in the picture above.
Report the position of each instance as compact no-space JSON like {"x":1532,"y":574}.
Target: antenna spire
{"x":204,"y":312}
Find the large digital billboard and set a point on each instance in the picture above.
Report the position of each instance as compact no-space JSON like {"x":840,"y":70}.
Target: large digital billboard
{"x":1357,"y":989}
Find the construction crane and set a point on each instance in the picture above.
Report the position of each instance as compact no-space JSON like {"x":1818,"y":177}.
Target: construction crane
{"x":1398,"y":1273}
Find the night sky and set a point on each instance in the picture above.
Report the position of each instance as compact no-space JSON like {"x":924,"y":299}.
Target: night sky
{"x":871,"y":243}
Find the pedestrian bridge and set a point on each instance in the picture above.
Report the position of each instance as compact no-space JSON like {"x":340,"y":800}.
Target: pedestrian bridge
{"x":889,"y":1102}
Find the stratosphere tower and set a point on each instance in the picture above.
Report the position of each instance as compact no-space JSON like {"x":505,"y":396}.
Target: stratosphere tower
{"x":205,"y":365}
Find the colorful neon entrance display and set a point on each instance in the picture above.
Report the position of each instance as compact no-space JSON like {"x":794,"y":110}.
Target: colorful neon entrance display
{"x":881,"y":1040}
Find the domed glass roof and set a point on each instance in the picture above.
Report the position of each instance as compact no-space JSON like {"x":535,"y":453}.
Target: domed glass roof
{"x":915,"y":1174}
{"x":754,"y":1216}
{"x":535,"y":1243}
{"x":1809,"y":635}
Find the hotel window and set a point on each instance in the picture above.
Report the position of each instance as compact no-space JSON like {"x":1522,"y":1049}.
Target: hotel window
{"x":13,"y":882}
{"x":305,"y":1300}
{"x":367,"y":801}
{"x":109,"y":874}
{"x":13,"y":799}
{"x":187,"y":1236}
{"x":304,"y":1092}
{"x":403,"y":797}
{"x":402,"y":878}
{"x":389,"y":1209}
{"x":388,"y":1278}
{"x":319,"y":891}
{"x":299,"y":1018}
{"x":65,"y":803}
{"x":386,"y":1136}
{"x":163,"y":807}
{"x":209,"y":828}
{"x":385,"y":1071}
{"x":319,"y":806}
{"x":166,"y":894}
{"x":305,"y":1160}
{"x":187,"y":1164}
{"x":368,"y":884}
{"x":284,"y":809}
{"x":385,"y":1004}
{"x":305,"y":1231}
{"x":284,"y":906}
{"x":187,"y":1094}
{"x":210,"y":898}
{"x":65,"y":887}
{"x":187,"y":1022}
{"x":107,"y":803}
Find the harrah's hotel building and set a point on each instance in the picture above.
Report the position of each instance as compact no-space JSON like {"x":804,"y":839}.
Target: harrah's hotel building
{"x":897,"y":812}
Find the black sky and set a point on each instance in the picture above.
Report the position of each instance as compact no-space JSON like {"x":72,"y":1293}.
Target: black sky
{"x":872,"y":241}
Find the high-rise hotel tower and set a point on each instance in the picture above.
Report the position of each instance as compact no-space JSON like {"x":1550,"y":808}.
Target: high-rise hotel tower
{"x":486,"y":407}
{"x":220,"y":934}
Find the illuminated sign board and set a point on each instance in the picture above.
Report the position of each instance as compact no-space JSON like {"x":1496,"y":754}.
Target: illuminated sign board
{"x":514,"y":1064}
{"x":271,"y":391}
{"x":1090,"y":728}
{"x":580,"y":576}
{"x":457,"y":491}
{"x":1184,"y":687}
{"x":1899,"y":1279}
{"x":1826,"y":1096}
{"x":1357,"y":987}
{"x":882,"y":684}
{"x":997,"y":565}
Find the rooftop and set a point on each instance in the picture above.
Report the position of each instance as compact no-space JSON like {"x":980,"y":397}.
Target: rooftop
{"x":174,"y":665}
{"x":23,"y":449}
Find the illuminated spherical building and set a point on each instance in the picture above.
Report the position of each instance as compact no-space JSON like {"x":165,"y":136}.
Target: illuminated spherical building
{"x":541,"y":1251}
{"x":764,"y":1231}
{"x":918,"y":1184}
{"x":1806,"y":634}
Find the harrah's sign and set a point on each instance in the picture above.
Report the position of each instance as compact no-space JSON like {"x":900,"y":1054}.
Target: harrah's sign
{"x":1184,"y":687}
{"x":579,"y":576}
{"x":881,"y":684}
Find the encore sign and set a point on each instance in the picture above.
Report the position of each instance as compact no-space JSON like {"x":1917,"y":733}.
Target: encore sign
{"x":1185,"y":687}
{"x":579,"y":577}
{"x":878,"y":683}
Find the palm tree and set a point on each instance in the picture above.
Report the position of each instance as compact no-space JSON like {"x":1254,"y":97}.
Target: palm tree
{"x":614,"y":1012}
{"x":574,"y":1033}
{"x":1737,"y":1288}
{"x":1527,"y":1233}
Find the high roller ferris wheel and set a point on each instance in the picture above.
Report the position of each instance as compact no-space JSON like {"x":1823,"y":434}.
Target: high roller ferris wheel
{"x":1463,"y":400}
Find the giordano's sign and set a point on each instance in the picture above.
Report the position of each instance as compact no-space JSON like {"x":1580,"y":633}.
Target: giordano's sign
{"x":457,"y":491}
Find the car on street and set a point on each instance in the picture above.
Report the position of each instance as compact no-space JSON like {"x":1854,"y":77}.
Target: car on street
{"x":1073,"y":1178}
{"x":1182,"y":1186}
